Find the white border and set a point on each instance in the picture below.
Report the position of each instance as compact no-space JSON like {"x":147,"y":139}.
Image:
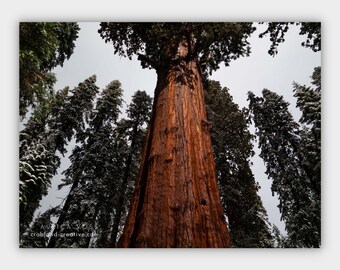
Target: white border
{"x":15,"y":11}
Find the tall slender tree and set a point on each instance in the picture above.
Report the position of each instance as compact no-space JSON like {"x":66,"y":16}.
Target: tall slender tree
{"x":48,"y":131}
{"x":37,"y":160}
{"x":138,"y":113}
{"x":93,"y":174}
{"x":232,"y":145}
{"x":280,"y":139}
{"x":309,"y":102}
{"x":176,"y":201}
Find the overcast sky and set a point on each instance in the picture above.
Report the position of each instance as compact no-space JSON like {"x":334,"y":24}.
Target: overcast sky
{"x":254,"y":73}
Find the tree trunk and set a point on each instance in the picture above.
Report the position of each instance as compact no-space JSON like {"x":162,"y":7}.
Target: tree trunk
{"x":176,"y":202}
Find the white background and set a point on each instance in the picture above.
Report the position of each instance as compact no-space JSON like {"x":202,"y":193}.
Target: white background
{"x":15,"y":11}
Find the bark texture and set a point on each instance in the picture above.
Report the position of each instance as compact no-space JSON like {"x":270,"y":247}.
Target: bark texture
{"x":176,"y":202}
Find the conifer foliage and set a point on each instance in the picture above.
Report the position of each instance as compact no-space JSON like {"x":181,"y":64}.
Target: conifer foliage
{"x":232,"y":145}
{"x":92,"y":173}
{"x":104,"y":164}
{"x":48,"y":131}
{"x":309,"y":102}
{"x":133,"y":129}
{"x":102,"y":172}
{"x":292,"y":156}
{"x":43,"y":46}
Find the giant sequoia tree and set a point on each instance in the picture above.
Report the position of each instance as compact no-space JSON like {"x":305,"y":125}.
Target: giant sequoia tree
{"x":176,"y":201}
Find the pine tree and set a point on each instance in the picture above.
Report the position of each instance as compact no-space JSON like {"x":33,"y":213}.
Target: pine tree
{"x":37,"y":160}
{"x":48,"y":131}
{"x":104,"y":166}
{"x":280,"y":139}
{"x":138,"y":114}
{"x":36,"y":168}
{"x":94,"y":174}
{"x":309,"y":102}
{"x":177,"y":202}
{"x":231,"y":140}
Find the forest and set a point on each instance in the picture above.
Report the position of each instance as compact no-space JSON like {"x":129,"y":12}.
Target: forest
{"x":173,"y":170}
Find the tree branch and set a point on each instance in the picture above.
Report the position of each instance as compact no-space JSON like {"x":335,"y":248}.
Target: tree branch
{"x":147,"y":61}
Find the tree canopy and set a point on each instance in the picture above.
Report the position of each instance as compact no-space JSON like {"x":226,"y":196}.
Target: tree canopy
{"x":42,"y":46}
{"x":277,"y":31}
{"x":156,"y":44}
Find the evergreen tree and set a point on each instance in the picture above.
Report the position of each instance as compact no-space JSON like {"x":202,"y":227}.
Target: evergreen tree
{"x":42,"y":46}
{"x":36,"y":168}
{"x":177,"y":202}
{"x":231,"y":140}
{"x":280,"y":139}
{"x":309,"y":102}
{"x":48,"y":130}
{"x":104,"y":168}
{"x":280,"y":241}
{"x":138,"y":113}
{"x":37,"y":160}
{"x":94,"y":174}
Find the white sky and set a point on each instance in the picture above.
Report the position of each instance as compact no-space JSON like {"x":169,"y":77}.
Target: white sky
{"x":14,"y":11}
{"x":260,"y":70}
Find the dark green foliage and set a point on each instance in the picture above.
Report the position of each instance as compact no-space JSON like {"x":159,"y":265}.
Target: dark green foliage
{"x":72,"y":117}
{"x":37,"y":160}
{"x":94,"y":172}
{"x":103,"y":168}
{"x":309,"y":102}
{"x":313,"y":32}
{"x":280,"y":241}
{"x":42,"y":46}
{"x":248,"y":222}
{"x":156,"y":44}
{"x":280,"y":140}
{"x":102,"y":172}
{"x":36,"y":168}
{"x":48,"y":130}
{"x":316,"y":78}
{"x":133,"y":129}
{"x":277,"y":31}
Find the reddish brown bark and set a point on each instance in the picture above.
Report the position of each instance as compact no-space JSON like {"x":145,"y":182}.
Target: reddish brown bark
{"x":176,"y":201}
